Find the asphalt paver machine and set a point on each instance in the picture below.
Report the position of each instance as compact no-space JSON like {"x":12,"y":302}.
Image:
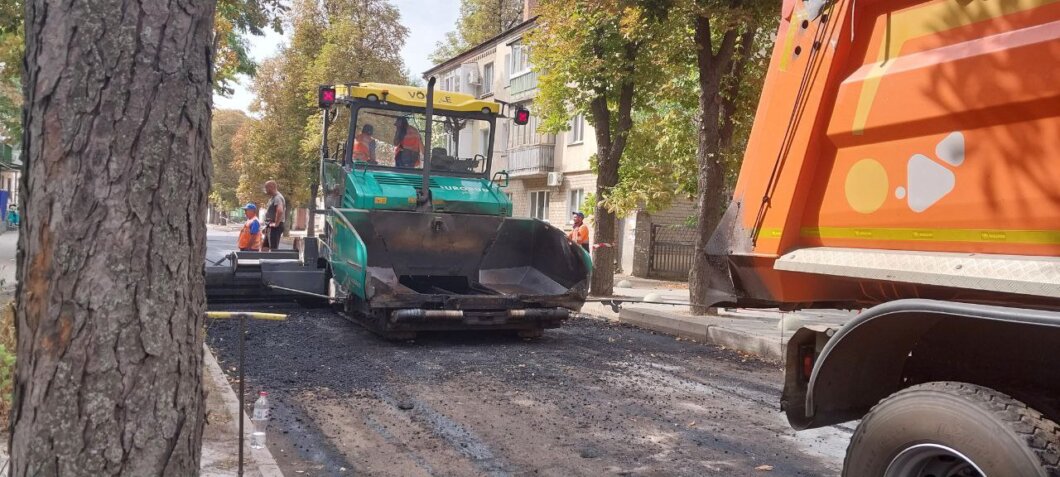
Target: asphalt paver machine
{"x":417,"y":235}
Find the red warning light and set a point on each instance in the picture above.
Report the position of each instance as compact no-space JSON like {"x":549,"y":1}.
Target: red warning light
{"x":522,"y":116}
{"x":326,"y":96}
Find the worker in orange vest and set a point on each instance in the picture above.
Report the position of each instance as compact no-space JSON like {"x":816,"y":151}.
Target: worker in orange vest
{"x":250,"y":236}
{"x":580,"y":233}
{"x":408,"y":143}
{"x":364,"y":145}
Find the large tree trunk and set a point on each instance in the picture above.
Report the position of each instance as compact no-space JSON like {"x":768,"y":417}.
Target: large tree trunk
{"x":110,"y":289}
{"x":609,"y":148}
{"x":711,"y":196}
{"x":602,"y":282}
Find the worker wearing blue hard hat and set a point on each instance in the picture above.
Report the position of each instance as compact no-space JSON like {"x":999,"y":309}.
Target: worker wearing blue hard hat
{"x":250,"y":235}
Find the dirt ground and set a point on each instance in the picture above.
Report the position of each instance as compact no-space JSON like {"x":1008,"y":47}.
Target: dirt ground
{"x":591,"y":398}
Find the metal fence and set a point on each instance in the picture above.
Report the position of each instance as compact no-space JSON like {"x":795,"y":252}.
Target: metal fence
{"x":670,"y":251}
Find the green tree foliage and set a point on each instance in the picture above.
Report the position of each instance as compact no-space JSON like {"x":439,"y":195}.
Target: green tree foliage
{"x":602,"y":58}
{"x":334,"y":41}
{"x":11,"y":47}
{"x":479,"y":21}
{"x":10,"y":110}
{"x":233,"y":22}
{"x":661,"y":164}
{"x":227,"y":125}
{"x":689,"y":72}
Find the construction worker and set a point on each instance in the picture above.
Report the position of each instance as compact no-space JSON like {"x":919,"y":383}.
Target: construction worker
{"x":364,"y":145}
{"x":408,"y":143}
{"x":250,"y":236}
{"x":275,"y":212}
{"x":580,"y":233}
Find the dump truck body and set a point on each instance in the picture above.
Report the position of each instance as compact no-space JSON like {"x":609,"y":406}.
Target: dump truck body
{"x":901,"y":149}
{"x":905,"y":159}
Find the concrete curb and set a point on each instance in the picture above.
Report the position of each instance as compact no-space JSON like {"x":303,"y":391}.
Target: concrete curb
{"x":704,"y":329}
{"x":261,"y":458}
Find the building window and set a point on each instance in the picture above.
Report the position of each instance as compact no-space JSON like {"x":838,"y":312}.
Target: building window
{"x":577,"y":129}
{"x":520,"y":63}
{"x":577,"y":198}
{"x":539,"y":205}
{"x":484,"y":139}
{"x":487,"y":78}
{"x":451,"y":81}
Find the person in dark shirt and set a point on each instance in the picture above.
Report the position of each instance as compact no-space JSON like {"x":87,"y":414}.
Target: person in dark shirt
{"x":275,"y":211}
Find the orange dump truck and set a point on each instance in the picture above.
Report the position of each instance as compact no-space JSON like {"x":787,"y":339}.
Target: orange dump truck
{"x":905,"y":160}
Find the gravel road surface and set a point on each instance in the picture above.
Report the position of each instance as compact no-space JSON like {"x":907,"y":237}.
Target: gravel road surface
{"x":591,"y":398}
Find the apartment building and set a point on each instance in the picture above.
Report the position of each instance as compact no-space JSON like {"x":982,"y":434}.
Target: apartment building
{"x":10,"y":173}
{"x":550,"y":173}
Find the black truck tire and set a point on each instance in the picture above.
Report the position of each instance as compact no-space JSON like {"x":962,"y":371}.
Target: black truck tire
{"x":933,"y":425}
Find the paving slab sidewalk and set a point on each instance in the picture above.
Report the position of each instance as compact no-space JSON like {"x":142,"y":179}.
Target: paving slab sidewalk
{"x":763,"y":333}
{"x":220,"y":440}
{"x":220,"y":436}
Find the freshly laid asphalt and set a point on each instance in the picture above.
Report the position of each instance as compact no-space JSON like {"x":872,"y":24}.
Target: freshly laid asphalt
{"x":590,"y":398}
{"x":593,"y":397}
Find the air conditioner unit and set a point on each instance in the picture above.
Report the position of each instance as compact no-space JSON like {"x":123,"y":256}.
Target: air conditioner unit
{"x":473,"y":76}
{"x":554,"y":179}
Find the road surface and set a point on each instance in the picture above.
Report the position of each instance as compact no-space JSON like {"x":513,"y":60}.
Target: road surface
{"x":591,"y":398}
{"x":220,"y":242}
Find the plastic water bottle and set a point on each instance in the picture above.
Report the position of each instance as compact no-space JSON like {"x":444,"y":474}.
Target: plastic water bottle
{"x":257,"y":436}
{"x":261,"y":407}
{"x":259,"y":421}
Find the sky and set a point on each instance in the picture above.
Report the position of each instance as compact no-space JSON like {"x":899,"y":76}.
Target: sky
{"x":427,"y":21}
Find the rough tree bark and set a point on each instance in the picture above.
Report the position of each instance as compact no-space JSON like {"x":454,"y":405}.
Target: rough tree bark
{"x":110,"y":290}
{"x":609,"y":148}
{"x":711,"y":197}
{"x":730,"y":89}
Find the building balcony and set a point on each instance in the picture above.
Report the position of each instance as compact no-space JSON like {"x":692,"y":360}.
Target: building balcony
{"x":532,"y":160}
{"x":523,"y":87}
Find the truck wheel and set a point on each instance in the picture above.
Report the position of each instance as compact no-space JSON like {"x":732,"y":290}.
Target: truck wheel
{"x":954,"y":430}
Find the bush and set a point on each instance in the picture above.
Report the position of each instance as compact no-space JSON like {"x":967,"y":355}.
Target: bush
{"x":7,"y":358}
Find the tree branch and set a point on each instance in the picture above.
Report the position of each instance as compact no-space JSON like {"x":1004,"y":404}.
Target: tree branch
{"x":724,"y":55}
{"x":705,"y":53}
{"x":731,"y":89}
{"x":601,"y":122}
{"x":625,"y":104}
